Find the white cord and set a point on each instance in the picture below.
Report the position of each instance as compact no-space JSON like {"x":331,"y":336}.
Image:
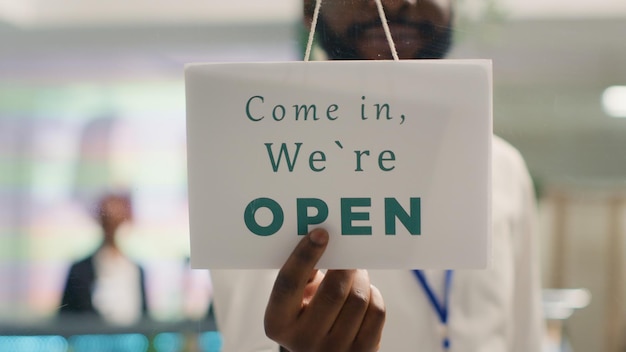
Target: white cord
{"x":309,"y":44}
{"x":383,"y":19}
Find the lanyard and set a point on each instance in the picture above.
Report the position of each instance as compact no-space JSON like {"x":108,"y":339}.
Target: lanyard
{"x":441,"y":308}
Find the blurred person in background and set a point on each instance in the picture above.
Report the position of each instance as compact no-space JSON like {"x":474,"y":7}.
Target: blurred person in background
{"x":107,"y":284}
{"x":300,"y":309}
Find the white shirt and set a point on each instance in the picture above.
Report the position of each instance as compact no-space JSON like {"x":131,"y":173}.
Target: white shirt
{"x":117,"y":290}
{"x":493,"y":310}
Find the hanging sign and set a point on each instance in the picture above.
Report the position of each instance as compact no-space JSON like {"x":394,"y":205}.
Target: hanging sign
{"x":392,"y":158}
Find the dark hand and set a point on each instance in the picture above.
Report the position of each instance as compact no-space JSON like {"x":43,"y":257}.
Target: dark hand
{"x":309,"y":311}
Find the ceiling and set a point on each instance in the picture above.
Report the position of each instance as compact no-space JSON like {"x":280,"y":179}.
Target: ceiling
{"x":46,"y":13}
{"x":561,"y":9}
{"x":37,"y":13}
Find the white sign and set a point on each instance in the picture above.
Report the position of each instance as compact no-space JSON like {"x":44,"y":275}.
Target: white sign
{"x":392,"y":158}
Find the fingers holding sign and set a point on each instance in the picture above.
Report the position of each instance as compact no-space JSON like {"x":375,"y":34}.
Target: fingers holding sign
{"x":310,"y":311}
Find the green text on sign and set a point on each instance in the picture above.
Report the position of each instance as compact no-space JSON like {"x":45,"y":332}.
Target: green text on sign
{"x":411,"y":220}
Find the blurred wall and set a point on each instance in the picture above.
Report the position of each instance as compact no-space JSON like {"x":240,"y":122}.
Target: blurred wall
{"x":549,"y":75}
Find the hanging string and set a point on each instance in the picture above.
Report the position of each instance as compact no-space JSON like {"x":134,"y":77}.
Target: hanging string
{"x":309,"y":44}
{"x":383,"y":19}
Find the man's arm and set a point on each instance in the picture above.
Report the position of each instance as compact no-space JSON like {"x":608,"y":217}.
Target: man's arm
{"x":527,"y":306}
{"x":239,"y":300}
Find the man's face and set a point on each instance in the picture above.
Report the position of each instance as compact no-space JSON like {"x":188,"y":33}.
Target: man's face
{"x":114,"y":211}
{"x":351,"y":29}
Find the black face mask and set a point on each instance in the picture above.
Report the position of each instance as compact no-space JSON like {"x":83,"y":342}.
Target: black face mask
{"x":437,"y":46}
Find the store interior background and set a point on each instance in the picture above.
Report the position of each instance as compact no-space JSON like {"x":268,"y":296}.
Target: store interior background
{"x":92,"y":98}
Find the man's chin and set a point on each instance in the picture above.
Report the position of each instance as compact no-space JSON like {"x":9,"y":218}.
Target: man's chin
{"x":380,"y":50}
{"x":374,"y":53}
{"x":384,"y":53}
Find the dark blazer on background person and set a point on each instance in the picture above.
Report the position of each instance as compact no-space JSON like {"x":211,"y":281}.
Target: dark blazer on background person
{"x":79,"y":286}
